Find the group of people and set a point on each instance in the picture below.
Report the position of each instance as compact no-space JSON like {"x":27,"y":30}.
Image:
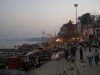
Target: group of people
{"x":90,"y":54}
{"x":29,"y":63}
{"x":80,"y":48}
{"x":90,"y":57}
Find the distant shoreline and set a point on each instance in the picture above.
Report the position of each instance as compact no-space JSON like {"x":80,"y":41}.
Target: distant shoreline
{"x":11,"y":44}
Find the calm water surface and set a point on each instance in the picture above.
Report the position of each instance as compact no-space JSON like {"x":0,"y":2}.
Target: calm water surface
{"x":11,"y":44}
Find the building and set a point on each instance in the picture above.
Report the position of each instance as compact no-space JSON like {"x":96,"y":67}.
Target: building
{"x":71,"y":34}
{"x":91,"y":32}
{"x":67,"y":32}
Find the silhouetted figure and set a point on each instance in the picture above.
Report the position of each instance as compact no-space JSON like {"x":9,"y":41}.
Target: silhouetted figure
{"x":96,"y":55}
{"x":74,"y":51}
{"x":66,"y":54}
{"x":81,"y":54}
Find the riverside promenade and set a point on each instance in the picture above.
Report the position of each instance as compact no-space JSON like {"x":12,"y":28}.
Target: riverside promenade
{"x":86,"y":70}
{"x":63,"y":67}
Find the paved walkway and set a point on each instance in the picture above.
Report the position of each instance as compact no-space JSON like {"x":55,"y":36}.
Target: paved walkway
{"x":94,"y":70}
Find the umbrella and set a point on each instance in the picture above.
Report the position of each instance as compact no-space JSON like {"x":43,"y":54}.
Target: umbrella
{"x":29,"y":53}
{"x":36,"y":50}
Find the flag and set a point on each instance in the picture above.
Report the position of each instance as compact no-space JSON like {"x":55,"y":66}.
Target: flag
{"x":43,"y":32}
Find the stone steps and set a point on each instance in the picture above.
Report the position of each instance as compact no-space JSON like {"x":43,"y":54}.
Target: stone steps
{"x":67,"y":68}
{"x":74,"y":69}
{"x":62,"y":70}
{"x":59,"y":68}
{"x":68,"y":65}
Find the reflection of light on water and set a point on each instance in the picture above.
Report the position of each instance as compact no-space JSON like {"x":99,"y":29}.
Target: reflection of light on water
{"x":57,"y":55}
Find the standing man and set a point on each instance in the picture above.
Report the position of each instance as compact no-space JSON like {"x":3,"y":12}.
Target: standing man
{"x":81,"y":54}
{"x":96,"y":55}
{"x":90,"y":57}
{"x":78,"y":47}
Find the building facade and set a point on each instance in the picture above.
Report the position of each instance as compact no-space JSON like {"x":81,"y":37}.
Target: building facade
{"x":91,"y":32}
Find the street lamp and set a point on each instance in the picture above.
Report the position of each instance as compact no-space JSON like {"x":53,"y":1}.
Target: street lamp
{"x":76,"y":5}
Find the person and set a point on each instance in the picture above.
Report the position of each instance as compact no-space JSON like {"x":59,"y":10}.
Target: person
{"x":84,"y":45}
{"x":66,"y":54}
{"x":90,"y":57}
{"x":37,"y":61}
{"x":73,"y":58}
{"x":96,"y":55}
{"x":74,"y":50}
{"x":81,"y":54}
{"x":78,"y":47}
{"x":69,"y":57}
{"x":32,"y":62}
{"x":25,"y":64}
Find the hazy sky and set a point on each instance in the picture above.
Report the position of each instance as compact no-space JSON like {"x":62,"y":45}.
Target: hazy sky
{"x":28,"y":18}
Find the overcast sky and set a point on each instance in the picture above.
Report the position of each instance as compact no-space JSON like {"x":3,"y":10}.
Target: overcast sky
{"x":28,"y":18}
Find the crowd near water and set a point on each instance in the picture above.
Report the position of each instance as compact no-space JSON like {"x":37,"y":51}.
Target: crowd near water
{"x":34,"y":57}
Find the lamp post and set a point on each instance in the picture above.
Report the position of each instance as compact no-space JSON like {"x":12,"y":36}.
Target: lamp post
{"x":76,"y":5}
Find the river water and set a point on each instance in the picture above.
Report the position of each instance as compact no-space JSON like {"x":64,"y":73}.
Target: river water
{"x":12,"y":44}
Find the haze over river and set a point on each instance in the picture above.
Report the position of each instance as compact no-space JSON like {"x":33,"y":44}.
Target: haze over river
{"x":12,"y":44}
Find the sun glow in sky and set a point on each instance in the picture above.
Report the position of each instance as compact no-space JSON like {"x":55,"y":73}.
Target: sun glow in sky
{"x":28,"y":18}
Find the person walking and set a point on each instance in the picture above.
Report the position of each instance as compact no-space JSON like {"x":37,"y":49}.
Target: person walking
{"x":74,"y":51}
{"x":66,"y":54}
{"x":90,"y":57}
{"x":78,"y":47}
{"x":81,"y":54}
{"x":96,"y":55}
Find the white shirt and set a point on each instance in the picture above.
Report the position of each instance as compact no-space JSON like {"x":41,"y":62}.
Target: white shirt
{"x":79,"y":48}
{"x":89,"y":54}
{"x":96,"y":53}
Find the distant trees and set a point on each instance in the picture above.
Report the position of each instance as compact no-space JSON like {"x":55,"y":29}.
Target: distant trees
{"x":86,"y":19}
{"x":98,"y":19}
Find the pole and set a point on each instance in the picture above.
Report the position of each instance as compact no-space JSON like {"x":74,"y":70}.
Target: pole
{"x":42,"y":37}
{"x":76,"y":23}
{"x":76,"y":26}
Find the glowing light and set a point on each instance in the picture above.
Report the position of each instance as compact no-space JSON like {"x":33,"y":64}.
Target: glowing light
{"x":58,"y":39}
{"x":83,"y":33}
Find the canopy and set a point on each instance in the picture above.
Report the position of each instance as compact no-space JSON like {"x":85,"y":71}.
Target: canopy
{"x":29,"y":53}
{"x":36,"y":50}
